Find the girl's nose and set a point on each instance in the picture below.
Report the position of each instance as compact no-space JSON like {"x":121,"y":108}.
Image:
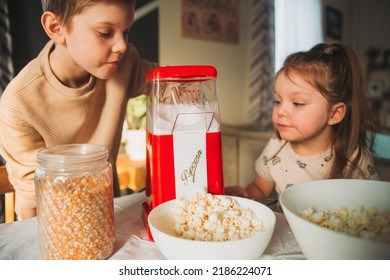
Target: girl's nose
{"x":282,"y":110}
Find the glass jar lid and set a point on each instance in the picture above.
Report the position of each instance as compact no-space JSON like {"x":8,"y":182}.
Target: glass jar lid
{"x":72,"y":154}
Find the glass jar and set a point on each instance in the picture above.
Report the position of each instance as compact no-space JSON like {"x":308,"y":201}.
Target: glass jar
{"x":75,"y":202}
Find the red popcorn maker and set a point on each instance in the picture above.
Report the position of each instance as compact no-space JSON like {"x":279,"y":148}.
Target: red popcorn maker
{"x":183,"y":136}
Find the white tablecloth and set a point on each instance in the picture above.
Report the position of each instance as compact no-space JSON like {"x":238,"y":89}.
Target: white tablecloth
{"x":19,"y":240}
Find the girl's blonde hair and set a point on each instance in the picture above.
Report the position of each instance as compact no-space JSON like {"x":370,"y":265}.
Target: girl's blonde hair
{"x":66,"y":9}
{"x":335,"y":71}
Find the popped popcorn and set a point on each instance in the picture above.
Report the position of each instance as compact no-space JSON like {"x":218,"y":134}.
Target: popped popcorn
{"x":209,"y":218}
{"x":360,"y":222}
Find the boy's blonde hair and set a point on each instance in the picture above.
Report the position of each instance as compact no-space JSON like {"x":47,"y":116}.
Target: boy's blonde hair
{"x":66,"y":9}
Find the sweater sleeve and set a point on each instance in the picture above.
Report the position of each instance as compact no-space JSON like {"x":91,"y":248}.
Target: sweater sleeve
{"x":19,"y":144}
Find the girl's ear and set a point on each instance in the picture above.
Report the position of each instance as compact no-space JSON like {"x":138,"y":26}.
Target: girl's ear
{"x":337,"y":113}
{"x":52,"y":26}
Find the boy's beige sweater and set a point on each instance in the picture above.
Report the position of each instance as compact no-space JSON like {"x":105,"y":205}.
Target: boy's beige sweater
{"x":38,"y":111}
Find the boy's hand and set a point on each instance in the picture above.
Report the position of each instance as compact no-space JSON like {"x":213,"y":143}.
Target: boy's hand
{"x":26,"y":213}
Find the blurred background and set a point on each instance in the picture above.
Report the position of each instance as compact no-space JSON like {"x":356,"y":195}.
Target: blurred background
{"x":246,"y":41}
{"x":158,"y":34}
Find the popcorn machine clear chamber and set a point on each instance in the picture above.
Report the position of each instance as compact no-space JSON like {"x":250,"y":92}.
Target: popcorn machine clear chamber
{"x":183,"y":134}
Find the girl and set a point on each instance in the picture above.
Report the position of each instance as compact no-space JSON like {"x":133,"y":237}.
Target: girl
{"x":321,"y":120}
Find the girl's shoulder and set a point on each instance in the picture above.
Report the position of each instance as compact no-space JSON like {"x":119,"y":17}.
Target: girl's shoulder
{"x":274,"y":148}
{"x":275,"y":144}
{"x":275,"y":141}
{"x":365,"y":166}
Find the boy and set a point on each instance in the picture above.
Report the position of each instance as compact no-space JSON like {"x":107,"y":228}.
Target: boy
{"x":75,"y":91}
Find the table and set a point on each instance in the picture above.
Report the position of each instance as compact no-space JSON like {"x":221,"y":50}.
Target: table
{"x":19,"y":240}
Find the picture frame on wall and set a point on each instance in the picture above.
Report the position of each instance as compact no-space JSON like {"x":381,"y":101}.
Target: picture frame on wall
{"x":375,"y":88}
{"x":334,"y":23}
{"x":211,"y":20}
{"x":386,"y":58}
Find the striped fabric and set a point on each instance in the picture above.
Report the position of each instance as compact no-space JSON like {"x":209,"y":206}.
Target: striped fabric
{"x":6,"y":66}
{"x":261,"y":63}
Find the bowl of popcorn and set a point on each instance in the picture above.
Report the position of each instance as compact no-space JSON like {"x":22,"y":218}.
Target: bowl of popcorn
{"x":206,"y":226}
{"x":340,"y":218}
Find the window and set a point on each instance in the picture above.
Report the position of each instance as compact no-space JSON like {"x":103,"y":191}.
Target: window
{"x":298,"y":27}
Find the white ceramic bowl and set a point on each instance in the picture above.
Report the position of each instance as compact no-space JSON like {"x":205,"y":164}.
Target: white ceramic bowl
{"x":161,"y":224}
{"x":317,"y":242}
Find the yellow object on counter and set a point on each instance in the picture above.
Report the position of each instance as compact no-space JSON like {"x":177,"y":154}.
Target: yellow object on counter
{"x":131,"y":174}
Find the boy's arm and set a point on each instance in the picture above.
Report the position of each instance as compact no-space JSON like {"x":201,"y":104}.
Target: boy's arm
{"x":19,"y":146}
{"x":26,"y":213}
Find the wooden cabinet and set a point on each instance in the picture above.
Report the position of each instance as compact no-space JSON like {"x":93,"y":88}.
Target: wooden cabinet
{"x":241,"y":146}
